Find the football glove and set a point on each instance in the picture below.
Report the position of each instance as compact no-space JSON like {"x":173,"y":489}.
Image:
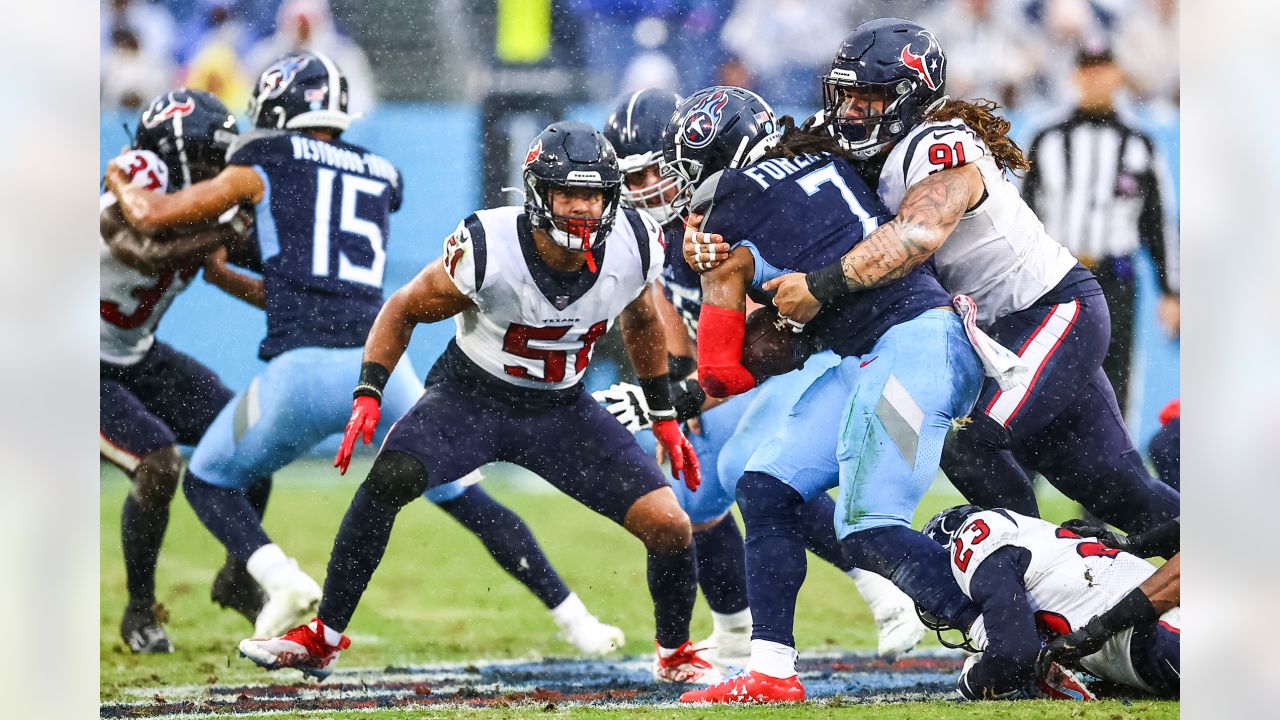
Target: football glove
{"x":626,"y":403}
{"x":365,"y":414}
{"x":683,"y":459}
{"x":1110,"y":538}
{"x":1076,"y":644}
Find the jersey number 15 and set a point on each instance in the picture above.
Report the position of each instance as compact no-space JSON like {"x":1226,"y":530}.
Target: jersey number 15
{"x":352,"y":187}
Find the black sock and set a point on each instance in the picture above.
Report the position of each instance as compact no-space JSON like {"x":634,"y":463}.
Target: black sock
{"x":918,"y":566}
{"x":141,"y":534}
{"x":258,"y":494}
{"x":362,"y":539}
{"x":510,"y":542}
{"x":227,"y":514}
{"x":817,"y":522}
{"x":674,"y":588}
{"x":776,"y":563}
{"x":722,"y":566}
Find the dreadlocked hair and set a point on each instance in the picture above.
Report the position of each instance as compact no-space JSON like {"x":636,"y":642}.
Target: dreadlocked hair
{"x":994,"y":130}
{"x":805,"y":140}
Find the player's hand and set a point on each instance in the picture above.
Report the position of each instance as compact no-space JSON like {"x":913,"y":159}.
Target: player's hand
{"x":626,"y":403}
{"x":1106,"y":536}
{"x":1076,"y":644}
{"x":793,"y":299}
{"x":365,"y":414}
{"x":683,"y":460}
{"x":116,"y":177}
{"x":1169,"y":311}
{"x":703,"y":251}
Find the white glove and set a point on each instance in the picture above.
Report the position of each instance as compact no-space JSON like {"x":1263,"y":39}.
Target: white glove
{"x":626,"y":403}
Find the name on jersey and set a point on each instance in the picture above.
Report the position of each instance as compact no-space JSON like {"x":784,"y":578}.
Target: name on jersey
{"x":767,"y":172}
{"x":305,"y":148}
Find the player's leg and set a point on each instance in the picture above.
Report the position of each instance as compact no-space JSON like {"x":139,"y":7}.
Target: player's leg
{"x":1165,"y":450}
{"x":919,"y":377}
{"x":142,"y":446}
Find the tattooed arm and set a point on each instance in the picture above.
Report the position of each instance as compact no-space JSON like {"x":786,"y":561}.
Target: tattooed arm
{"x":927,"y":216}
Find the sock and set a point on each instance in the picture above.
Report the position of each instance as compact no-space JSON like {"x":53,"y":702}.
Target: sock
{"x":880,"y":594}
{"x":817,"y":521}
{"x":917,"y":565}
{"x":776,"y":562}
{"x":227,"y":513}
{"x":570,"y":611}
{"x":362,"y":539}
{"x":722,"y":567}
{"x":510,"y":543}
{"x":141,"y":534}
{"x":731,"y":622}
{"x":268,"y":563}
{"x":674,"y":588}
{"x":258,"y":494}
{"x":331,"y":637}
{"x":772,"y":659}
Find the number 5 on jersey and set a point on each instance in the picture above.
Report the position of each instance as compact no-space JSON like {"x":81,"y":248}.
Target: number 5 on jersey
{"x":517,"y":342}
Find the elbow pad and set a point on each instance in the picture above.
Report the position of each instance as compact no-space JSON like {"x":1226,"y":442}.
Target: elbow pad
{"x":720,"y":336}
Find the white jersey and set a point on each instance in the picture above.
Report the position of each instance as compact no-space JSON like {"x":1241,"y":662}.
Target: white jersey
{"x":999,"y":254}
{"x":131,"y":303}
{"x":528,"y":328}
{"x":1069,"y":580}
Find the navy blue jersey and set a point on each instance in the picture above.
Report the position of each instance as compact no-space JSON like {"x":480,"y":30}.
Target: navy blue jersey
{"x":682,"y":286}
{"x":322,"y":226}
{"x":799,"y":215}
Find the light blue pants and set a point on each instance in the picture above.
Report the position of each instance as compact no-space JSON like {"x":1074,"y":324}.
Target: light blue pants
{"x":302,"y":397}
{"x":874,"y":425}
{"x":732,"y":431}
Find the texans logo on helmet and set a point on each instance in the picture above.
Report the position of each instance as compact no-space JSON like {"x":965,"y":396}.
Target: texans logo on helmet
{"x":533,"y":153}
{"x":173,"y":109}
{"x":926,"y":63}
{"x":277,"y":78}
{"x":700,"y":126}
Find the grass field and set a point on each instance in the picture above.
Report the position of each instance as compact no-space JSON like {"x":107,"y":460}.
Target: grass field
{"x":438,"y":598}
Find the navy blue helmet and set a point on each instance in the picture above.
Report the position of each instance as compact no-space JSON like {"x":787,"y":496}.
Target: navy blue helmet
{"x":634,"y":128}
{"x":713,"y":129}
{"x":888,"y":75}
{"x":302,"y":90}
{"x":943,"y":526}
{"x":571,"y":155}
{"x":190,"y":130}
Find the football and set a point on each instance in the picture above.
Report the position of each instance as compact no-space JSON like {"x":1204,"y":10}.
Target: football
{"x":770,"y":347}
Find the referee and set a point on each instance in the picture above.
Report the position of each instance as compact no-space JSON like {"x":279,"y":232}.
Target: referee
{"x":1102,"y":189}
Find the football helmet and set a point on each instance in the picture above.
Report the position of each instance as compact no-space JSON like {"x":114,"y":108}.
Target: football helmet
{"x":571,"y":155}
{"x":634,"y":128}
{"x":715,"y":128}
{"x":888,"y":75}
{"x":190,"y":130}
{"x":943,"y":526}
{"x":302,"y":90}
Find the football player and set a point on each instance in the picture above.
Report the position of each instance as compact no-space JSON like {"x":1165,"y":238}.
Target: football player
{"x":941,"y":166}
{"x":323,"y":209}
{"x":151,"y":396}
{"x":531,"y":290}
{"x":873,"y":424}
{"x":1034,"y":582}
{"x":728,"y":430}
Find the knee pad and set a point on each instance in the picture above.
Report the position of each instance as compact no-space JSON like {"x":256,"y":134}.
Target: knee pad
{"x":155,"y":480}
{"x":396,"y":478}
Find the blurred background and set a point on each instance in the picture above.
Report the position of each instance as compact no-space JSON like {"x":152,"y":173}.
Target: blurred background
{"x":452,"y":91}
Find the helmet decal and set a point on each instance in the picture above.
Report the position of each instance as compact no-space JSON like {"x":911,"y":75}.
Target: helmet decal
{"x":924,"y":66}
{"x":701,"y":122}
{"x":277,"y":78}
{"x":172,"y":109}
{"x":535,"y":151}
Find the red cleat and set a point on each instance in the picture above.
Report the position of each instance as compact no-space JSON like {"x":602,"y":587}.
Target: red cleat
{"x":750,"y":687}
{"x":685,"y":665}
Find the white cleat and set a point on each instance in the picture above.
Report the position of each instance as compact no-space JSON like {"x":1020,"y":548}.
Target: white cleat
{"x":727,"y":650}
{"x":292,"y":598}
{"x":593,"y":637}
{"x":899,"y":630}
{"x":303,"y":647}
{"x":685,"y":665}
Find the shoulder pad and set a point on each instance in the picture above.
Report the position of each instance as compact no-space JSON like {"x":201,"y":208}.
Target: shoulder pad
{"x":705,"y":195}
{"x":244,"y":140}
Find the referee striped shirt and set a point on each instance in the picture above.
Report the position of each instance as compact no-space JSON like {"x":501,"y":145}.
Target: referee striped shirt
{"x":1102,"y":189}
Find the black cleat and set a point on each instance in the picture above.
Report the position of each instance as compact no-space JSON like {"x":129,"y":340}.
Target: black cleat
{"x":142,"y":630}
{"x":235,"y":588}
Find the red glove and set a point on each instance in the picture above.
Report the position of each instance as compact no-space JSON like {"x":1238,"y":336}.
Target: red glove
{"x":1171,"y":412}
{"x":365,"y":414}
{"x":683,"y":459}
{"x":720,"y":337}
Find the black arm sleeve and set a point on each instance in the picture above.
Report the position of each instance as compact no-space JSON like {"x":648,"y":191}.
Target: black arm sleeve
{"x":1163,"y":540}
{"x":1151,"y":221}
{"x":1009,"y":659}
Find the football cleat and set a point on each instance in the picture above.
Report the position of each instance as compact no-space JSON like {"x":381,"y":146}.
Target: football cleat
{"x":290,"y":601}
{"x":685,"y":665}
{"x":1059,"y":683}
{"x":143,"y":631}
{"x":234,"y":588}
{"x":899,"y":630}
{"x":750,"y":687}
{"x":593,"y":637}
{"x":303,"y":648}
{"x":727,"y":650}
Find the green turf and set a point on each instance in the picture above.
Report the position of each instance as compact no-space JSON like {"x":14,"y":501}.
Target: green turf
{"x":437,"y":594}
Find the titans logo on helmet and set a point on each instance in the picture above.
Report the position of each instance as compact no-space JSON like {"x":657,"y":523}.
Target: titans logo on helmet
{"x":701,"y":123}
{"x":278,"y":76}
{"x":925,"y":64}
{"x":165,"y":108}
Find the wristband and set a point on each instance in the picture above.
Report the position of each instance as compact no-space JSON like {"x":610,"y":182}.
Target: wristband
{"x":681,"y":366}
{"x":657,"y":395}
{"x":373,"y":378}
{"x":827,"y":283}
{"x":1133,"y":609}
{"x":689,"y":399}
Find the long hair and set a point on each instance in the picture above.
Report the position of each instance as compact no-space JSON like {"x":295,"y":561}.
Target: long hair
{"x":994,"y":130}
{"x":806,"y":139}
